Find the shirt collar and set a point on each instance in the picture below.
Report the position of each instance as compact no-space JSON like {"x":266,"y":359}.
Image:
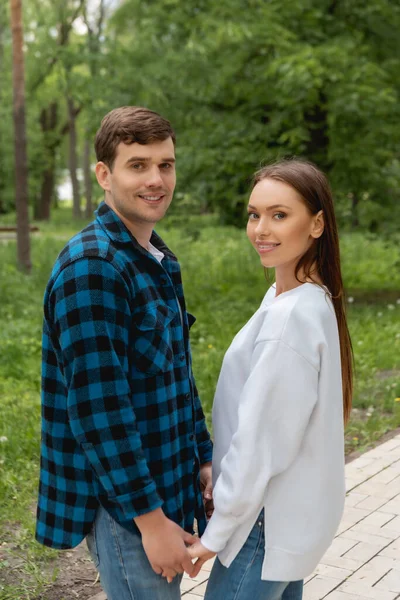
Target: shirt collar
{"x":119,"y":233}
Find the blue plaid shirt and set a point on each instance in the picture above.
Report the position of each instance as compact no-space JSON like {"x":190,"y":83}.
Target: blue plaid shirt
{"x":122,"y":423}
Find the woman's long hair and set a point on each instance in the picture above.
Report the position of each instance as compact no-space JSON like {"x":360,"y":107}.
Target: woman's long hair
{"x":323,"y":256}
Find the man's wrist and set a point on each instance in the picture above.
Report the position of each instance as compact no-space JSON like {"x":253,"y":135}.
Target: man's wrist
{"x":151,"y":521}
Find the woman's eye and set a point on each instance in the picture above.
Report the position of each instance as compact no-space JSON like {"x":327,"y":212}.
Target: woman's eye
{"x":252,"y":216}
{"x":279,"y":216}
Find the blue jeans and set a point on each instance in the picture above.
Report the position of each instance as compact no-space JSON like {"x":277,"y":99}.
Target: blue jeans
{"x":125,"y":571}
{"x":242,"y":580}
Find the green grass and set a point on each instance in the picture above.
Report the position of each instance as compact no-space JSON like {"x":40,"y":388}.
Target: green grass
{"x":224,"y":285}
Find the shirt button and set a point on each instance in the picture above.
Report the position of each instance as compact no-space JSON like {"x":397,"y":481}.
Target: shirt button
{"x":191,"y":437}
{"x":182,"y":357}
{"x":188,"y":398}
{"x":163,"y":279}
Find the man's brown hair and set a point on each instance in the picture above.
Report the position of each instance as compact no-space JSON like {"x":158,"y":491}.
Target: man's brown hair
{"x":129,"y":124}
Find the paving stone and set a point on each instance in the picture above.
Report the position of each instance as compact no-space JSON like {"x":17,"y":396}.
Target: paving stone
{"x":318,"y":588}
{"x":378,"y":518}
{"x":391,"y":581}
{"x":373,"y":571}
{"x":365,"y":591}
{"x":363,"y":552}
{"x":371,"y":532}
{"x":353,"y":499}
{"x":333,"y":572}
{"x":385,"y":476}
{"x":200,"y":590}
{"x":340,"y":546}
{"x":372,"y":503}
{"x":392,"y":550}
{"x":354,"y":515}
{"x":336,"y":595}
{"x":342,"y":562}
{"x":393,"y":506}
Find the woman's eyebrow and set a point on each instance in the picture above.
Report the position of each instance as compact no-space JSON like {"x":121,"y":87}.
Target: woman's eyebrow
{"x":274,"y":206}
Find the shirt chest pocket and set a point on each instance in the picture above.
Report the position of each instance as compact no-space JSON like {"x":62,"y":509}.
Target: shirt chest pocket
{"x":152,"y":338}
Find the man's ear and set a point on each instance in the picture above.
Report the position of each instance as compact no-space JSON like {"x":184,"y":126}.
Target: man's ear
{"x":103,"y":175}
{"x":318,"y":225}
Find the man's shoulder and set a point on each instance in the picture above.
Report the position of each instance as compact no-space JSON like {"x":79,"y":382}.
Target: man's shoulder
{"x":90,"y":242}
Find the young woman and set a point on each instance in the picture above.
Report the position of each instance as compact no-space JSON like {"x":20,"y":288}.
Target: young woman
{"x":282,"y":396}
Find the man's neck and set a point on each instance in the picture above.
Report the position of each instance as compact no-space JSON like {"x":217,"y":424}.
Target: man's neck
{"x":140,"y":231}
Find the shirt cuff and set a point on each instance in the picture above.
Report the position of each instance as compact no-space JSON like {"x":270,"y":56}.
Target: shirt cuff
{"x":218,"y":531}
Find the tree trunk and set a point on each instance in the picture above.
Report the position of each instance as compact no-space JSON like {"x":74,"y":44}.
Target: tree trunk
{"x":46,"y":194}
{"x":21,"y":162}
{"x":51,"y":140}
{"x":88,"y":178}
{"x":73,"y":161}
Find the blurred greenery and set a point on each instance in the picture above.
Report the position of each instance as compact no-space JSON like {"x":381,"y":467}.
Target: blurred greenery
{"x":243,"y":82}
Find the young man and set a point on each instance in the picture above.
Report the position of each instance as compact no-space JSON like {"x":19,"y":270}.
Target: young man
{"x":125,"y":450}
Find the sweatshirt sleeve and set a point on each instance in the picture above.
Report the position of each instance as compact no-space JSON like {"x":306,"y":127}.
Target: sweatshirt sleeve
{"x":92,"y":321}
{"x":274,"y":409}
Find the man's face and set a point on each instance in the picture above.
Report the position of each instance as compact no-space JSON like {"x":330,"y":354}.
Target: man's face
{"x":141,"y":183}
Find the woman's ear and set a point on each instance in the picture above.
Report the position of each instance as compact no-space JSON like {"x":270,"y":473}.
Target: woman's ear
{"x":318,"y":225}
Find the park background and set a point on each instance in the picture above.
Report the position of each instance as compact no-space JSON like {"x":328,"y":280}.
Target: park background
{"x":243,"y":82}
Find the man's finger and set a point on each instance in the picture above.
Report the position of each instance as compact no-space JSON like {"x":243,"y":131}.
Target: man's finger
{"x":189,"y":539}
{"x":169,"y":574}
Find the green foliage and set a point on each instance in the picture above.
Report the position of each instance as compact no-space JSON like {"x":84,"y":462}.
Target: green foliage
{"x":286,"y":78}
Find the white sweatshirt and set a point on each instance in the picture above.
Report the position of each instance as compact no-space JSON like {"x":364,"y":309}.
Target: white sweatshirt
{"x":278,"y":435}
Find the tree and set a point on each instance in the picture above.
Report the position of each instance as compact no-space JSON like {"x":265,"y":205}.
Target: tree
{"x":319,"y":80}
{"x":21,"y":170}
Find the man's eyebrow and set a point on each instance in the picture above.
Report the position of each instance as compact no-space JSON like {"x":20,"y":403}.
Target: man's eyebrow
{"x":273,"y":207}
{"x":146,"y":159}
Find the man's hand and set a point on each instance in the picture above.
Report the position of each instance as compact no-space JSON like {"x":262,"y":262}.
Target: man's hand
{"x":164,"y":543}
{"x":206,"y":488}
{"x":201,"y":553}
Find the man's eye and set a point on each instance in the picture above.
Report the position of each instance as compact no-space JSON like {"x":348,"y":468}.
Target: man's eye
{"x":137,"y":166}
{"x":166,"y":166}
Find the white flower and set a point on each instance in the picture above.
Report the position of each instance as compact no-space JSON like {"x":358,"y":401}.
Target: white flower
{"x":360,"y":342}
{"x":391,"y":306}
{"x":379,"y":314}
{"x":350,"y":299}
{"x":3,"y":439}
{"x":398,"y":301}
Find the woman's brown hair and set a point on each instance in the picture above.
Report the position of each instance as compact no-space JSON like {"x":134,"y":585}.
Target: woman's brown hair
{"x":323,"y":256}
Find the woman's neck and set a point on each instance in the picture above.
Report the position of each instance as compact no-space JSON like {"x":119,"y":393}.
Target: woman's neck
{"x":286,"y":279}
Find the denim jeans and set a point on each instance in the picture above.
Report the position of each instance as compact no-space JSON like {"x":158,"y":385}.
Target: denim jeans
{"x":125,"y":571}
{"x":242,"y":580}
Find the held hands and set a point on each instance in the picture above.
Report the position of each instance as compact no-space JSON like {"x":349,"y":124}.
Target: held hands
{"x":206,"y":488}
{"x":197,"y":550}
{"x":165,"y":545}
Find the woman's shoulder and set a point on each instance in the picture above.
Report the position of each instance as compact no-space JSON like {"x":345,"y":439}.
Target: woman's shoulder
{"x":299,"y":318}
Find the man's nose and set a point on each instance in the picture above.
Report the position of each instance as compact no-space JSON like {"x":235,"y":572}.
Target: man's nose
{"x":154,"y":177}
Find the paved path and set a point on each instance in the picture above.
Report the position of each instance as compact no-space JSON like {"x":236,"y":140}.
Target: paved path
{"x":363,"y":562}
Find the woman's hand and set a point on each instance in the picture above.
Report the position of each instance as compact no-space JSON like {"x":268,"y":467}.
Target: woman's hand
{"x":197,"y":550}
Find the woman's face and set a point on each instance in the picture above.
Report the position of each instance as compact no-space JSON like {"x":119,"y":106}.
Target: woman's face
{"x":280,"y":226}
